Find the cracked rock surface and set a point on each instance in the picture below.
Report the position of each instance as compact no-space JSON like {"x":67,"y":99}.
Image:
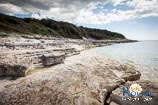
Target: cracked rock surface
{"x":19,"y":53}
{"x":84,"y":79}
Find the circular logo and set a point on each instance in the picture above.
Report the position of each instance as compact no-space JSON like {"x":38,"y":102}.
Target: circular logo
{"x":135,"y":89}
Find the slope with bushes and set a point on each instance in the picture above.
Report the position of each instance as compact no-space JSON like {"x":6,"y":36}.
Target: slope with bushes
{"x":53,"y":28}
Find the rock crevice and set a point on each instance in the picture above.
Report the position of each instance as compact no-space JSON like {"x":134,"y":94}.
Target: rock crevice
{"x":78,"y":81}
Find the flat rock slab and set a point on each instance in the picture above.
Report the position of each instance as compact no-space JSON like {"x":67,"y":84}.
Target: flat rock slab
{"x":18,"y":63}
{"x":82,"y":80}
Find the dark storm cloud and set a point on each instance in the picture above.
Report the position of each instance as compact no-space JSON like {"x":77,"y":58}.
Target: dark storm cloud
{"x":80,"y":11}
{"x":27,"y":3}
{"x":26,"y":6}
{"x":46,"y":4}
{"x":33,"y":5}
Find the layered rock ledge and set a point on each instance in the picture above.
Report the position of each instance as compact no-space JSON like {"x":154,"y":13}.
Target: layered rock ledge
{"x":62,"y":79}
{"x":81,"y":80}
{"x":21,"y":52}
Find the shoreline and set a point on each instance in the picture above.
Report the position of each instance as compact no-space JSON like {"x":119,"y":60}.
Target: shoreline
{"x":66,"y":71}
{"x":22,"y":52}
{"x":93,"y":80}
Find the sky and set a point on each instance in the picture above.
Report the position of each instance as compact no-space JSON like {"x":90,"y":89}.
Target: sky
{"x":136,"y":19}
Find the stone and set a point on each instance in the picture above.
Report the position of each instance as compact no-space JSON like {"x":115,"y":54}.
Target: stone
{"x":12,"y":70}
{"x":113,"y":103}
{"x":81,"y":79}
{"x":78,"y":81}
{"x":49,"y":60}
{"x":17,"y":63}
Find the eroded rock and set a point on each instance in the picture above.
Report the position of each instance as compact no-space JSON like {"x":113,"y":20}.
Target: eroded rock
{"x":79,"y":81}
{"x":12,"y":70}
{"x":48,"y":60}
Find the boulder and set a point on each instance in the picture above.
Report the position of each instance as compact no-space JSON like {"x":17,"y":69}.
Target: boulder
{"x":51,"y":59}
{"x":81,"y":80}
{"x":16,"y":63}
{"x":12,"y":70}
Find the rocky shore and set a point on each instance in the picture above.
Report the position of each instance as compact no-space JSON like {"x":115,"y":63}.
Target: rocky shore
{"x":21,"y":52}
{"x":59,"y":71}
{"x":91,"y":81}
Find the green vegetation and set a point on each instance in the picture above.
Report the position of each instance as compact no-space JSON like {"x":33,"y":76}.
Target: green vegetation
{"x":53,"y":28}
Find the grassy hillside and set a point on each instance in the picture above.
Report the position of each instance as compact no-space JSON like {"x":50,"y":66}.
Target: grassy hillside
{"x":53,"y":28}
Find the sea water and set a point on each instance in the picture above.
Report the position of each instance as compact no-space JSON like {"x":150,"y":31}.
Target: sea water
{"x":143,"y":54}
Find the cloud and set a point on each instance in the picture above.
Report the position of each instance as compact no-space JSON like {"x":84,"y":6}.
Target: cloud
{"x":118,"y":2}
{"x":28,"y":5}
{"x":82,"y":11}
{"x":141,"y":9}
{"x":10,"y":8}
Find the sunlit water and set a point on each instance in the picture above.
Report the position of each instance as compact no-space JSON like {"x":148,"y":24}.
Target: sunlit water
{"x":143,"y":54}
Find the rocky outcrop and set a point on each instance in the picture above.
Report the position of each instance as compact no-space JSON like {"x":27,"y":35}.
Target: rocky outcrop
{"x":81,"y":80}
{"x":30,"y":43}
{"x":21,"y":52}
{"x":17,"y":63}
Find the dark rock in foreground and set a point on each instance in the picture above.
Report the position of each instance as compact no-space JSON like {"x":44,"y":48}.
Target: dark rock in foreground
{"x":12,"y":70}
